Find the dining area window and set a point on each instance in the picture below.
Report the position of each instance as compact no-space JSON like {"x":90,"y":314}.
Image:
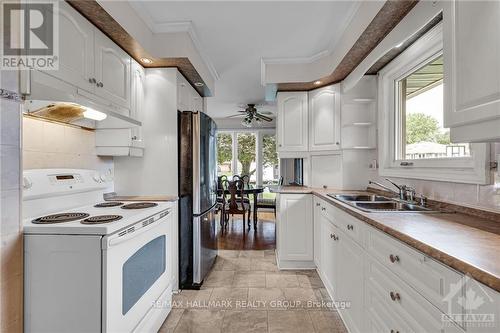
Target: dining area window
{"x":251,"y":153}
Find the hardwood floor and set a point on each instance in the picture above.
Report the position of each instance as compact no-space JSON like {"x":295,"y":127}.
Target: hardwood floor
{"x":235,"y":237}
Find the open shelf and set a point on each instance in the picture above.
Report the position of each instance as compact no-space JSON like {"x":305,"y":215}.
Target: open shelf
{"x":359,"y":148}
{"x":360,"y":124}
{"x":362,"y":100}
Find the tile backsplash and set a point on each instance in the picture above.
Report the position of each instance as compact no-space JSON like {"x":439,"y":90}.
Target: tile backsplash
{"x":52,"y":145}
{"x":11,"y":239}
{"x":486,"y":197}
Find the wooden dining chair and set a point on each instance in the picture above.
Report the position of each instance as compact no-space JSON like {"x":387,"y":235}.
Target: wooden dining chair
{"x":246,"y":184}
{"x":269,"y":203}
{"x":220,"y":181}
{"x":234,"y":204}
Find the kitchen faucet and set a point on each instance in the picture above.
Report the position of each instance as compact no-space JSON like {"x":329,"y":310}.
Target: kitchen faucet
{"x":404,"y":192}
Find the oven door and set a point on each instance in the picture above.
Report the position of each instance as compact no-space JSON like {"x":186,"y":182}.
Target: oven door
{"x":137,"y":271}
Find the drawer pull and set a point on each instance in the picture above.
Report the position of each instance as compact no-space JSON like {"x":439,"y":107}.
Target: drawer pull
{"x":350,"y":227}
{"x":394,"y":331}
{"x":334,"y":237}
{"x":395,"y":296}
{"x":323,"y":208}
{"x":317,"y":204}
{"x":393,"y":258}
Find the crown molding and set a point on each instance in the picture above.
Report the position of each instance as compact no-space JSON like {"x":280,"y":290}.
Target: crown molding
{"x":175,"y":27}
{"x":313,"y":58}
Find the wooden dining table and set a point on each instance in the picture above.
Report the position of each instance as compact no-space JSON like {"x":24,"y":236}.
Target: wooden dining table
{"x":253,"y":190}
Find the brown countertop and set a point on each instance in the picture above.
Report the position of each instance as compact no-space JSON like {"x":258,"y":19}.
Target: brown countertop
{"x":467,"y":243}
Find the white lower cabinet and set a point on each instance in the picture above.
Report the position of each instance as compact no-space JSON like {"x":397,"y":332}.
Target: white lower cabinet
{"x":329,"y":254}
{"x":386,"y":285}
{"x":350,"y":278}
{"x":317,"y":230}
{"x":294,"y":231}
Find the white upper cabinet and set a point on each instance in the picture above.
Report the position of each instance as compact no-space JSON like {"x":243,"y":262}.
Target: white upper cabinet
{"x":324,"y":119}
{"x":197,"y":102}
{"x":183,"y":102}
{"x":76,"y":51}
{"x":472,"y":70}
{"x":112,"y":71}
{"x":188,"y":98}
{"x":292,"y":127}
{"x":137,"y":97}
{"x":91,"y":62}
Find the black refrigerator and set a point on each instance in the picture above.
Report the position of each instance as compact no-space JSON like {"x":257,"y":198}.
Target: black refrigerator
{"x":197,"y":197}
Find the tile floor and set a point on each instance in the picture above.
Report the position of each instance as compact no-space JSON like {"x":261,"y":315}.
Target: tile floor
{"x":245,"y":292}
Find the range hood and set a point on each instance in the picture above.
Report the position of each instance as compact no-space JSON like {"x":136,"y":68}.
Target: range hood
{"x":52,"y":99}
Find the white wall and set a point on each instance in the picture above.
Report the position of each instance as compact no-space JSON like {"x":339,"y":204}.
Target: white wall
{"x":156,"y":172}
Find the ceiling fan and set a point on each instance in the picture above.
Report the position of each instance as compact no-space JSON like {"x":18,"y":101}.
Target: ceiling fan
{"x":251,"y":114}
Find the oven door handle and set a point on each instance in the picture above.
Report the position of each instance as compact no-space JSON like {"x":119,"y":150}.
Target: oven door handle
{"x":120,"y":239}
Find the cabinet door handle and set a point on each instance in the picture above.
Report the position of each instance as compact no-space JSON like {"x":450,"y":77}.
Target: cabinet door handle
{"x":334,"y":237}
{"x":350,"y":227}
{"x":100,"y":85}
{"x":394,"y":331}
{"x":318,"y":204}
{"x":92,"y":80}
{"x":393,"y":258}
{"x":395,"y":296}
{"x":323,"y":208}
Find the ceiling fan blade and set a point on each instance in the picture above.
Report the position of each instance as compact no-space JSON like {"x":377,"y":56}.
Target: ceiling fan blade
{"x":236,"y":116}
{"x":261,"y":116}
{"x":265,"y":112}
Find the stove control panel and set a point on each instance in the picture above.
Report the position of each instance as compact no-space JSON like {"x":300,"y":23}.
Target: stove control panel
{"x":65,"y":179}
{"x":54,"y":182}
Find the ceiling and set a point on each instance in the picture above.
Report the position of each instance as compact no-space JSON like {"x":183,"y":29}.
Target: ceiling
{"x":233,"y":36}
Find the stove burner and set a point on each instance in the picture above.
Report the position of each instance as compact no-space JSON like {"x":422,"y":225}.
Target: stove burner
{"x":99,"y":219}
{"x":60,"y":218}
{"x":108,"y":204}
{"x":139,"y":205}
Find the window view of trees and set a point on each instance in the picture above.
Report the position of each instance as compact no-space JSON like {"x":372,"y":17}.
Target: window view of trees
{"x":246,"y":155}
{"x":421,"y":127}
{"x":269,"y":159}
{"x":224,"y":154}
{"x":421,"y":99}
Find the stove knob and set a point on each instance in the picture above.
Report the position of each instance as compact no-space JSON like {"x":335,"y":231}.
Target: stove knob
{"x":27,"y":183}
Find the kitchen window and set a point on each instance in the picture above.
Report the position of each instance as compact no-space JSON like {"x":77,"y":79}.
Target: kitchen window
{"x":419,"y":130}
{"x":412,"y":139}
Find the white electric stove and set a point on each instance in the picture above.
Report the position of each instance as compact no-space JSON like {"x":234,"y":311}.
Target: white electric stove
{"x":93,"y":265}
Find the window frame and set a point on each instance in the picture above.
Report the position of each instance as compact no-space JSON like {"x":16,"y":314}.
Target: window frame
{"x":259,"y":133}
{"x":471,"y":169}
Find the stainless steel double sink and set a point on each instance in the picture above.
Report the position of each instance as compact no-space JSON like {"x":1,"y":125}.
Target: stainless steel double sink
{"x":378,"y":203}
